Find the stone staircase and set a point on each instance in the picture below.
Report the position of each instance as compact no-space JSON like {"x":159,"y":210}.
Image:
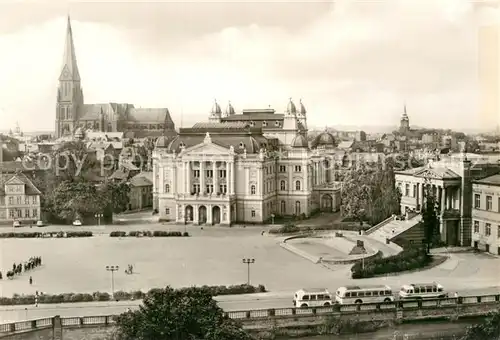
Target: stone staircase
{"x":394,"y":227}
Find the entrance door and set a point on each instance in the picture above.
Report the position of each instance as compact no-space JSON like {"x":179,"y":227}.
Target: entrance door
{"x":202,"y":213}
{"x":216,"y":215}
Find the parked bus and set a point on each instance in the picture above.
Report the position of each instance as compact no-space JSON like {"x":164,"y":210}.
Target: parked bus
{"x":314,"y":297}
{"x":364,"y":294}
{"x":419,"y":291}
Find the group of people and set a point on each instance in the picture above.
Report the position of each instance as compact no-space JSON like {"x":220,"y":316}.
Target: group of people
{"x":18,"y":268}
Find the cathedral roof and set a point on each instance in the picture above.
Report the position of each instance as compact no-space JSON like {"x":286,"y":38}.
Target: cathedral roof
{"x":324,"y":139}
{"x":69,"y":69}
{"x":300,"y":141}
{"x":291,"y":109}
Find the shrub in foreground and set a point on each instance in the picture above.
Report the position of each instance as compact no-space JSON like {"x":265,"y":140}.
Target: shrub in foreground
{"x":148,"y":233}
{"x":408,"y":259}
{"x":17,"y":299}
{"x":48,"y":234}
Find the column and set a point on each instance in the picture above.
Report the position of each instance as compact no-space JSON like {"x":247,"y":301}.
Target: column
{"x":176,"y":212}
{"x":202,"y":177}
{"x":450,"y":198}
{"x":443,"y":199}
{"x":187,"y":174}
{"x":232,"y":177}
{"x":228,"y":184}
{"x":174,"y":179}
{"x":417,"y":195}
{"x":247,"y":182}
{"x":215,"y":181}
{"x":195,"y":214}
{"x":209,"y":214}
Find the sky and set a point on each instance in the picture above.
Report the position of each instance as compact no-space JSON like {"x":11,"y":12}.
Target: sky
{"x":353,"y":63}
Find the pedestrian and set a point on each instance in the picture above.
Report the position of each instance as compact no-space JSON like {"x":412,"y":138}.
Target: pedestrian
{"x":31,"y":280}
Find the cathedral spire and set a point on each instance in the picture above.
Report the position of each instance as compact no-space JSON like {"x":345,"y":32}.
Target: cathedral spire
{"x":69,"y":67}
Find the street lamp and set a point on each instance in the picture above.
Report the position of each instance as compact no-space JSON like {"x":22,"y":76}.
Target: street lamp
{"x":98,"y":216}
{"x":248,"y":262}
{"x":112,"y":269}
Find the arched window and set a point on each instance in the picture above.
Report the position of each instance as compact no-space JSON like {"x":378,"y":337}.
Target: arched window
{"x":264,"y":123}
{"x":182,"y":144}
{"x":283,"y":207}
{"x":297,"y":185}
{"x":167,"y":188}
{"x":252,"y":189}
{"x":297,"y":208}
{"x":282,"y":185}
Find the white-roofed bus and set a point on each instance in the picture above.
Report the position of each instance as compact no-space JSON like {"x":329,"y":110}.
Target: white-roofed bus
{"x":364,"y":294}
{"x":312,"y":297}
{"x":420,"y":291}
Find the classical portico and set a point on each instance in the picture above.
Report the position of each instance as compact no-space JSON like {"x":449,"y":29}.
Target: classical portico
{"x":446,"y":188}
{"x":201,"y":213}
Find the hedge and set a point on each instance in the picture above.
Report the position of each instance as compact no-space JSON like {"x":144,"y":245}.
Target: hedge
{"x":408,"y":259}
{"x":57,"y":234}
{"x":291,"y":228}
{"x":148,"y":233}
{"x":17,"y":299}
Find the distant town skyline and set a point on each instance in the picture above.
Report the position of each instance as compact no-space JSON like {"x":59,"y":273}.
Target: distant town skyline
{"x":352,"y":63}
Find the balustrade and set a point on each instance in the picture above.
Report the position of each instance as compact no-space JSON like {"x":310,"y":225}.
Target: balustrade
{"x":427,"y":306}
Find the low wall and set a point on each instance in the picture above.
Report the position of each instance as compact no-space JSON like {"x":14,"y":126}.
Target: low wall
{"x":281,"y":318}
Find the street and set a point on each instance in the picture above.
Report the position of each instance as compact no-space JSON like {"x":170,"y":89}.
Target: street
{"x":228,"y":303}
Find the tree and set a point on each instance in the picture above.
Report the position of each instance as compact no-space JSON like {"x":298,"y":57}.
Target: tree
{"x":178,"y":314}
{"x":488,"y":329}
{"x":430,"y":215}
{"x":119,"y":196}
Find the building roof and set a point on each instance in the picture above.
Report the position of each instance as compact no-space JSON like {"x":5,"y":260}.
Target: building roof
{"x":223,"y":125}
{"x":491,"y":180}
{"x":249,"y":116}
{"x":239,"y":142}
{"x":143,"y":179}
{"x":120,"y":174}
{"x":299,"y":141}
{"x":30,"y":188}
{"x":434,"y":172}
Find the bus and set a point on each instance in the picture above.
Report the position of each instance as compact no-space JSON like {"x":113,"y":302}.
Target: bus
{"x":419,"y":291}
{"x":312,"y":297}
{"x":364,"y":294}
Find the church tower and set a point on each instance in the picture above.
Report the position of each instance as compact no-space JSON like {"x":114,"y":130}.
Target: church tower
{"x":404,"y":124}
{"x":69,"y":92}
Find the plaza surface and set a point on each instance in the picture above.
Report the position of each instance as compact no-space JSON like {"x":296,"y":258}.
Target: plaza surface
{"x":212,"y":256}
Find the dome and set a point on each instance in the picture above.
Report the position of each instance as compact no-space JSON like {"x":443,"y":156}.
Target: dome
{"x":302,"y":110}
{"x":300,"y":141}
{"x":229,"y":109}
{"x":325,"y":139}
{"x":216,"y":108}
{"x":291,"y":109}
{"x":162,"y":142}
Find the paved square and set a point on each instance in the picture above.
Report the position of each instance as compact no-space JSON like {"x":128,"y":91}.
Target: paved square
{"x":212,"y":256}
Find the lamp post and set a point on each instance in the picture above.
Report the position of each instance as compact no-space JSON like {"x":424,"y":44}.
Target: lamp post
{"x":112,"y":269}
{"x":98,"y":216}
{"x":248,"y":262}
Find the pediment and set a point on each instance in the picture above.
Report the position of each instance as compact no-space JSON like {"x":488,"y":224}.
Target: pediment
{"x":206,"y":149}
{"x":428,"y":173}
{"x":14,"y":181}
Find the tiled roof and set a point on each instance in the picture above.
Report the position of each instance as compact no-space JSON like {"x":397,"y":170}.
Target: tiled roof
{"x":492,"y":180}
{"x":161,"y":115}
{"x":251,"y":143}
{"x":141,"y":180}
{"x":254,"y":116}
{"x":223,"y":125}
{"x":30,"y":188}
{"x":119,"y":174}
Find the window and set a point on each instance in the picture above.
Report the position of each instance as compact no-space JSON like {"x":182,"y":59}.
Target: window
{"x":487,"y":229}
{"x":277,"y":123}
{"x":283,"y":208}
{"x":297,"y":208}
{"x":477,"y":201}
{"x":26,"y":213}
{"x":19,"y":213}
{"x":167,"y":211}
{"x":223,"y":188}
{"x":264,"y":123}
{"x":242,"y":145}
{"x":252,"y":123}
{"x":498,"y":206}
{"x":196,"y":188}
{"x":209,"y":188}
{"x":252,"y":189}
{"x":11,"y":200}
{"x":35,"y":213}
{"x":282,"y":168}
{"x":222,"y":173}
{"x":489,"y":203}
{"x":167,"y":188}
{"x":26,"y":200}
{"x":253,"y":213}
{"x":12,"y":213}
{"x":210,"y":173}
{"x":19,"y":200}
{"x":282,"y":185}
{"x":297,"y":185}
{"x":196,"y":173}
{"x":182,"y":145}
{"x":498,"y":232}
{"x":298,"y":168}
{"x":414,"y":190}
{"x":476,"y":227}
{"x":407,"y":190}
{"x":34,"y":199}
